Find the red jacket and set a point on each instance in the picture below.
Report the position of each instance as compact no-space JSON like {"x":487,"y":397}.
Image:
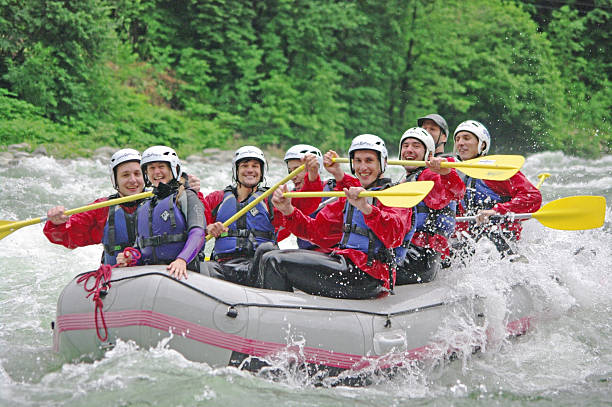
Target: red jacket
{"x":306,"y":205}
{"x":389,"y":224}
{"x":524,"y":198}
{"x":447,"y":188}
{"x":82,"y":229}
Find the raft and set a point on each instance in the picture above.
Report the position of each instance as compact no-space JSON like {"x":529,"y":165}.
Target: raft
{"x":221,"y":323}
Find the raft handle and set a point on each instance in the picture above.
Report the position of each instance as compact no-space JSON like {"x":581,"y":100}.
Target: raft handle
{"x":232,"y":312}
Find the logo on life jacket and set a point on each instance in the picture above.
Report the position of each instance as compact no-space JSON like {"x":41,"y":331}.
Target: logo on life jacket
{"x":165,"y":215}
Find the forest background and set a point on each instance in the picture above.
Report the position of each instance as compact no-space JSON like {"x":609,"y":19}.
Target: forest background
{"x":76,"y":75}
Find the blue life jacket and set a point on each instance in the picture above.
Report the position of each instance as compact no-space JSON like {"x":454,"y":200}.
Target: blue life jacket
{"x":357,"y":235}
{"x":329,"y":186}
{"x":246,"y":233}
{"x":428,"y":220}
{"x":119,"y":232}
{"x":162,"y":229}
{"x":479,"y":196}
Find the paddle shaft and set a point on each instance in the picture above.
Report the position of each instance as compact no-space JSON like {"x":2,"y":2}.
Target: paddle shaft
{"x":260,"y":198}
{"x":326,"y":194}
{"x":446,"y":164}
{"x":542,"y":178}
{"x":19,"y":224}
{"x":516,"y":216}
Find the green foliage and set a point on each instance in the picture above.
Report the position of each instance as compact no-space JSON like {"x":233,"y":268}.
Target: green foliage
{"x":193,"y":74}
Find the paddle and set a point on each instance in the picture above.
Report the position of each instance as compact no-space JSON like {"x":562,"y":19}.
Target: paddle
{"x":571,"y":213}
{"x":542,"y":177}
{"x":404,"y":195}
{"x":7,"y":227}
{"x":491,"y":167}
{"x":260,"y":198}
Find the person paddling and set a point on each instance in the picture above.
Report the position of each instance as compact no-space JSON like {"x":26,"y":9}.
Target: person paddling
{"x":294,"y":157}
{"x":484,"y":198}
{"x":366,"y":231}
{"x":419,"y":255}
{"x":238,"y":245}
{"x":171,"y":224}
{"x":114,"y":226}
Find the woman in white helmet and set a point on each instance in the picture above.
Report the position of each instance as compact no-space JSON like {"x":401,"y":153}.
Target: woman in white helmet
{"x":364,"y":231}
{"x":238,"y":245}
{"x":485,"y":198}
{"x":113,"y":226}
{"x":171,"y":224}
{"x":434,"y":217}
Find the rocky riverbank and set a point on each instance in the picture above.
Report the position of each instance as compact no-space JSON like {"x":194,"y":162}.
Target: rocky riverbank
{"x":16,"y":152}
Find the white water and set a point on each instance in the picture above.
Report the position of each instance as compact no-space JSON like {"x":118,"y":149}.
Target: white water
{"x":565,"y":360}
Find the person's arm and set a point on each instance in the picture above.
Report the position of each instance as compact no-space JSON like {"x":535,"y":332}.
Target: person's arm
{"x":196,"y":238}
{"x":389,"y":224}
{"x":525,"y":197}
{"x":81,"y":229}
{"x":446,"y":188}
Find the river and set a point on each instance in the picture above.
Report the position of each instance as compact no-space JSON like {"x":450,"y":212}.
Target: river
{"x":566,"y":360}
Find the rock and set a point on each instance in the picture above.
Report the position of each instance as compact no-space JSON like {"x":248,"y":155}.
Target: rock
{"x":5,"y":158}
{"x":40,"y":150}
{"x":104,"y":152}
{"x":211,"y":151}
{"x":21,"y":154}
{"x":194,"y":158}
{"x":18,"y":147}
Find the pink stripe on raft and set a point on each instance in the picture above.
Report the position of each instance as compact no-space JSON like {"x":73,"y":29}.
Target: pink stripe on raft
{"x":253,"y":347}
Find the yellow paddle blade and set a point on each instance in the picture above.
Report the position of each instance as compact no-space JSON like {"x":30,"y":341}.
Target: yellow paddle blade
{"x":404,"y":195}
{"x":5,"y":228}
{"x":491,"y":167}
{"x":573,"y":213}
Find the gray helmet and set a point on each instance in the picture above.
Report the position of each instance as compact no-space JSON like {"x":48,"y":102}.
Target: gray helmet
{"x":437,"y":119}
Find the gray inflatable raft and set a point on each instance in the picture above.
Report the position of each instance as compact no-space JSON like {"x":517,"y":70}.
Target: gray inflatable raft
{"x":221,"y":323}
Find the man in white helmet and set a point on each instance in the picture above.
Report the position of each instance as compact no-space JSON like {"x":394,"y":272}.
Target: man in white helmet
{"x":306,"y":181}
{"x":363,"y":230}
{"x":171,"y":224}
{"x":238,"y":245}
{"x":485,"y":198}
{"x":434,"y":217}
{"x":113,"y":226}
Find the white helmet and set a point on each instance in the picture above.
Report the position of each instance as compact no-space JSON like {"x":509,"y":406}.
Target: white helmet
{"x":477,"y":129}
{"x":122,"y":156}
{"x":423,"y":136}
{"x":300,"y":150}
{"x":369,"y":142}
{"x":251,"y":153}
{"x":161,"y":154}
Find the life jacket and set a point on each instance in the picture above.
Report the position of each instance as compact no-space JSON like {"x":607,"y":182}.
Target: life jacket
{"x":162,"y":229}
{"x":357,"y":235}
{"x":246,"y":233}
{"x":433,"y":221}
{"x":479,"y":196}
{"x":330,"y":184}
{"x":119,"y":232}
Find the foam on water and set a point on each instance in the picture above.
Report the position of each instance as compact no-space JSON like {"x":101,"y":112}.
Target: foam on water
{"x":566,"y":358}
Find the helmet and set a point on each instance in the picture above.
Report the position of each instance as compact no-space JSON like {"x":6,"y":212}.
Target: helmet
{"x":300,"y":150}
{"x":251,"y":153}
{"x":477,"y":129}
{"x":122,"y":156}
{"x":369,"y":142}
{"x":163,"y":154}
{"x":437,"y":119}
{"x":423,"y":136}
